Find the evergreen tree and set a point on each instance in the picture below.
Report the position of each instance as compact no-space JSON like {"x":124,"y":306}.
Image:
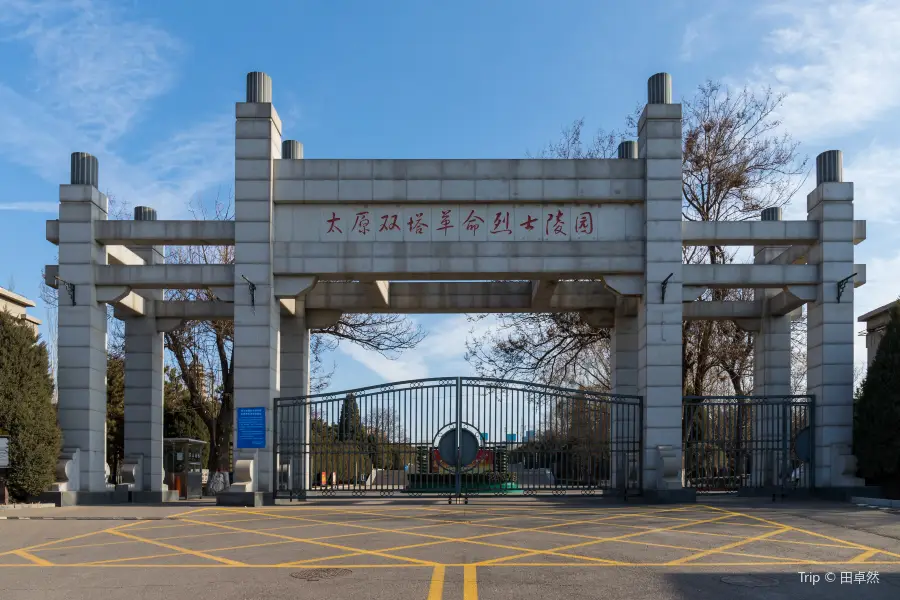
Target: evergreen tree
{"x":115,"y":412}
{"x":350,"y":420}
{"x":27,"y":414}
{"x":877,"y":411}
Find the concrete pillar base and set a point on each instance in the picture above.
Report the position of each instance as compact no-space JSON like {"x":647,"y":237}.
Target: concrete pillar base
{"x":245,"y":499}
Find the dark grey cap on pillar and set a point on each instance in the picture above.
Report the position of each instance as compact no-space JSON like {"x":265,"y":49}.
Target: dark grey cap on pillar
{"x":144,"y":213}
{"x":259,"y":87}
{"x":84,"y":169}
{"x":291,"y":149}
{"x":829,"y":167}
{"x":628,"y":149}
{"x":771,"y":214}
{"x":659,"y":89}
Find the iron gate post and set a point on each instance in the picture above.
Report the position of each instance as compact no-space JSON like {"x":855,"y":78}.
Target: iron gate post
{"x":276,"y":472}
{"x":458,"y":437}
{"x":811,"y":477}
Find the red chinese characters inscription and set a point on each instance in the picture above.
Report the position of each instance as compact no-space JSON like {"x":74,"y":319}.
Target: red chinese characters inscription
{"x":556,"y":221}
{"x":528,"y":224}
{"x":333,"y":224}
{"x":501,"y":223}
{"x":416,"y":225}
{"x":473,"y":222}
{"x":361,"y":225}
{"x":389,"y":223}
{"x":445,"y":221}
{"x":584,"y":223}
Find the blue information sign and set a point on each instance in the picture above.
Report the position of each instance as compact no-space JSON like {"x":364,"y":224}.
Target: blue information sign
{"x":510,"y":437}
{"x":251,"y":427}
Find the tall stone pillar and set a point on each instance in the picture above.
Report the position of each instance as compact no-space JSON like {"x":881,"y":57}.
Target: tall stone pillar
{"x":624,"y":416}
{"x":144,"y":376}
{"x":82,"y":324}
{"x":660,"y":313}
{"x":293,"y":426}
{"x":769,"y":440}
{"x":830,"y":323}
{"x":256,"y":312}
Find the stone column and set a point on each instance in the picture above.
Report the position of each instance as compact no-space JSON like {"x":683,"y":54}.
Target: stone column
{"x":82,"y":324}
{"x":660,"y":313}
{"x":256,"y":312}
{"x":830,"y":323}
{"x":144,"y":375}
{"x":771,"y":378}
{"x":293,"y":426}
{"x":626,"y":434}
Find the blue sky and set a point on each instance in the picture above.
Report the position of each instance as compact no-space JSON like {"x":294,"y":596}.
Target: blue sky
{"x":149,"y":88}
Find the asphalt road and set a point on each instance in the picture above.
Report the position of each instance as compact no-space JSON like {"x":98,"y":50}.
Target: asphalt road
{"x":518,"y":549}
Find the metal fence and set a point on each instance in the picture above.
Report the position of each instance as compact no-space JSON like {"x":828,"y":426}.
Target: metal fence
{"x":459,"y":436}
{"x":751,"y":444}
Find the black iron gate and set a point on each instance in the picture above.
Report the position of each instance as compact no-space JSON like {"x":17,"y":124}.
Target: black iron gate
{"x":750,"y":445}
{"x":457,"y":437}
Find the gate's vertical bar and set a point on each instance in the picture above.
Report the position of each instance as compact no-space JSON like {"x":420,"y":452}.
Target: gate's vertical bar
{"x":276,"y":449}
{"x":785,"y":443}
{"x":811,"y":411}
{"x":459,"y":403}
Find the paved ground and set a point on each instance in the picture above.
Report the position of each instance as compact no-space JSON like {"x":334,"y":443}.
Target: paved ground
{"x":522,"y":548}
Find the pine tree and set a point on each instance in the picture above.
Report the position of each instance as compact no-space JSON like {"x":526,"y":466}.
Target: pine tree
{"x":26,"y":410}
{"x":877,"y":411}
{"x":350,"y":420}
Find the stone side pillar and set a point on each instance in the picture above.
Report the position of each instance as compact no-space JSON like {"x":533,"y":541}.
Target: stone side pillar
{"x":626,"y":434}
{"x":771,"y":378}
{"x":144,"y":375}
{"x":256,"y":311}
{"x":82,"y":324}
{"x":830,"y":323}
{"x":293,"y":425}
{"x":660,"y":313}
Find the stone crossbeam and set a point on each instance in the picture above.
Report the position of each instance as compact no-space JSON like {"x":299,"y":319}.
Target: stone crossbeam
{"x":165,"y":233}
{"x":165,"y":276}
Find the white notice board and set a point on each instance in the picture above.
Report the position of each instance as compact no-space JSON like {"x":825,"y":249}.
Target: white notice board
{"x":4,"y":452}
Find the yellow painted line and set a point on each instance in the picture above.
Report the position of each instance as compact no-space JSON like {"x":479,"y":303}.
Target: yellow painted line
{"x":130,"y":558}
{"x":446,"y":539}
{"x":602,"y":540}
{"x":730,"y":546}
{"x":179,"y":549}
{"x":744,"y":554}
{"x":35,"y":559}
{"x":327,"y":545}
{"x":450,"y":565}
{"x":436,"y":590}
{"x":864,"y":556}
{"x":807,"y":532}
{"x":470,"y":583}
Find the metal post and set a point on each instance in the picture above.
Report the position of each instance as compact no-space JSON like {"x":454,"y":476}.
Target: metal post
{"x":276,"y":471}
{"x":458,"y":437}
{"x":811,"y":476}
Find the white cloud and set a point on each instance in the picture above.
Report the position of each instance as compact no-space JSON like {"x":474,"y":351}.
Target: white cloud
{"x":876,"y":175}
{"x":47,"y":207}
{"x":692,"y":36}
{"x":440,"y":354}
{"x":96,"y":71}
{"x":837,"y":61}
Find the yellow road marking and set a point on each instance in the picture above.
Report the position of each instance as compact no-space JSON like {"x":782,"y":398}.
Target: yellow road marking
{"x":35,"y":559}
{"x":179,"y":549}
{"x":470,"y":583}
{"x":806,"y":531}
{"x":864,"y":556}
{"x":327,"y":545}
{"x":730,"y":546}
{"x":445,"y":539}
{"x":436,"y":590}
{"x":602,"y":540}
{"x":453,"y":565}
{"x":130,"y":558}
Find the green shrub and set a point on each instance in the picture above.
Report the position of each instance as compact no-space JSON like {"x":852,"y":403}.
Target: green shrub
{"x":877,"y":411}
{"x":26,"y":409}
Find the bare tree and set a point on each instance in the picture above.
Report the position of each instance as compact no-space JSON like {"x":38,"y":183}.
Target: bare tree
{"x":735,"y":164}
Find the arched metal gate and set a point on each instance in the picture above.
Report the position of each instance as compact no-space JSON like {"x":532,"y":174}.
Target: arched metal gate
{"x":458,"y":437}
